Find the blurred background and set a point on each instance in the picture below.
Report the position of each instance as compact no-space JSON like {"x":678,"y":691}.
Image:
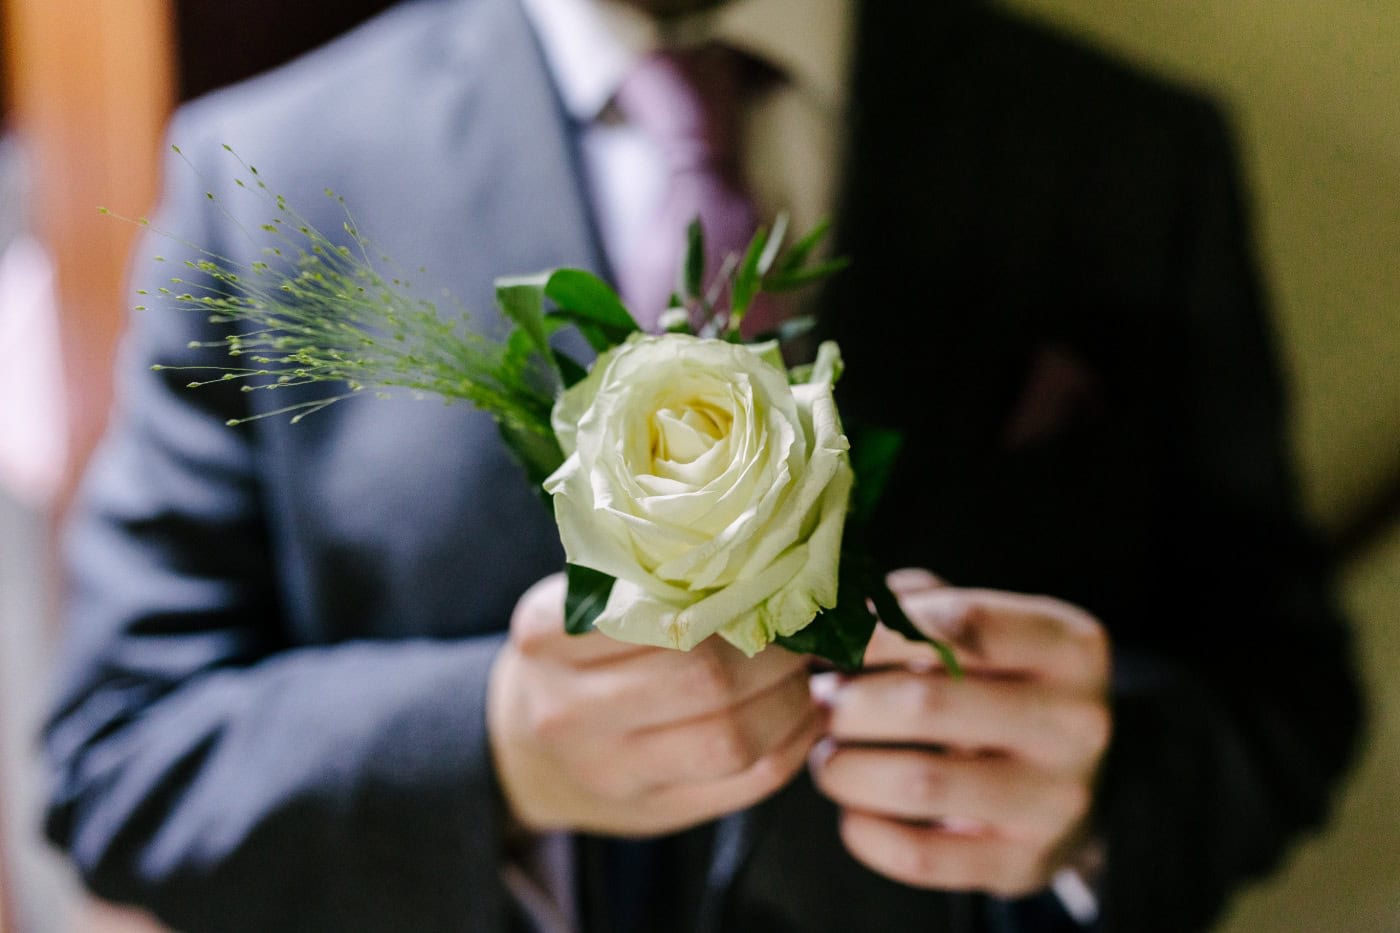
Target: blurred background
{"x":1313,"y":89}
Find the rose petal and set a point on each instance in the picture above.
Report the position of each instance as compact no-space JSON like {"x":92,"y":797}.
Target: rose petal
{"x":712,"y":490}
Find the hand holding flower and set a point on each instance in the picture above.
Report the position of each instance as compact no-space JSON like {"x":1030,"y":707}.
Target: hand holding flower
{"x":597,"y":735}
{"x":984,"y":784}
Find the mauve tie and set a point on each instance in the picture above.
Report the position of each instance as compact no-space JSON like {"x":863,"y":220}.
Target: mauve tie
{"x":690,"y":103}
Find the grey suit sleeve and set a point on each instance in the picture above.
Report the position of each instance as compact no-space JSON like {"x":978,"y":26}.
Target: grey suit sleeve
{"x":207,"y":766}
{"x":1237,"y":706}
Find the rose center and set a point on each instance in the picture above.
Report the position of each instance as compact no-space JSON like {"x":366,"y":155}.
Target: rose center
{"x":687,"y":433}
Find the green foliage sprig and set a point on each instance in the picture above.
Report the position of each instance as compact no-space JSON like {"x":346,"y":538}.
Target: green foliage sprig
{"x":314,"y":310}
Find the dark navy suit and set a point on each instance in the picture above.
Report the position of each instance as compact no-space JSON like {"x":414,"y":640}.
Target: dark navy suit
{"x":271,"y":707}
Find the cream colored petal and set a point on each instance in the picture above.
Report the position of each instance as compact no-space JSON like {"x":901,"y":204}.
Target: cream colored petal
{"x":725,"y":556}
{"x":829,"y":365}
{"x":713,"y":491}
{"x":636,"y":616}
{"x":573,"y":402}
{"x":722,"y":607}
{"x":656,"y":487}
{"x":588,"y":542}
{"x":714,"y":507}
{"x":685,"y":435}
{"x":815,"y":586}
{"x":714,"y":562}
{"x":653,"y":544}
{"x":793,"y":606}
{"x":748,"y":633}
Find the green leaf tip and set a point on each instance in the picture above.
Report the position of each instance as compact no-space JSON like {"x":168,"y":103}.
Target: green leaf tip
{"x":892,"y":615}
{"x":693,"y":276}
{"x":587,"y":597}
{"x":874,"y":455}
{"x":590,"y":304}
{"x":748,"y":279}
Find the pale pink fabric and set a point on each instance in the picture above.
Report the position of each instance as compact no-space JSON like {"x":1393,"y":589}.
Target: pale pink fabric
{"x":33,"y":427}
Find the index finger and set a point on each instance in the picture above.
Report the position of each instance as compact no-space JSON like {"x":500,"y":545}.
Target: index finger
{"x":1005,"y":633}
{"x":537,"y":629}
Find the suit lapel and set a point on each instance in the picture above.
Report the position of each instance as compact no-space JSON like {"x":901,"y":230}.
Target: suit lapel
{"x":515,"y":156}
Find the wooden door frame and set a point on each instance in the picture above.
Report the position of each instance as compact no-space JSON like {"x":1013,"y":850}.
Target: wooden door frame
{"x":90,"y":83}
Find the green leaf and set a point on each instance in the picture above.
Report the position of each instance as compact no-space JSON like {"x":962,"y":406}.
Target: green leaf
{"x":801,"y":278}
{"x":520,"y":346}
{"x":589,"y":297}
{"x":838,"y":635}
{"x":597,"y":337}
{"x":693,"y":271}
{"x":894,"y":618}
{"x":790,"y":329}
{"x":521,"y":299}
{"x":800,"y":375}
{"x":834,"y":636}
{"x":587,"y":597}
{"x":746,"y":279}
{"x":570,"y":369}
{"x":796,"y":257}
{"x":520,"y":350}
{"x":538,"y":453}
{"x":775,"y":245}
{"x":590,"y":304}
{"x":874,"y":453}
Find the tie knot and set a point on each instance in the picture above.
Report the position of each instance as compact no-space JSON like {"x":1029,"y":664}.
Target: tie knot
{"x":689,"y":101}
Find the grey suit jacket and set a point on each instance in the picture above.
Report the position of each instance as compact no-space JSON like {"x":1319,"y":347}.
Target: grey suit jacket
{"x":270,"y":714}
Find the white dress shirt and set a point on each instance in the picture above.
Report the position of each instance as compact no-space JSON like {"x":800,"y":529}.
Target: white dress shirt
{"x":792,"y":138}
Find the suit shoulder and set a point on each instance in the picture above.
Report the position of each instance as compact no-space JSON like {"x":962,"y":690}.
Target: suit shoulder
{"x":341,"y":92}
{"x":1072,"y":83}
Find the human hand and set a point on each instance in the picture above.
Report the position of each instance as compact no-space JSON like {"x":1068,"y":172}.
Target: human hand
{"x":601,"y":736}
{"x":980,"y":784}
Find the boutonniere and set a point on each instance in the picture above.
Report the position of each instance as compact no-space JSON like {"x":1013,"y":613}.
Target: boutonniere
{"x":702,"y":487}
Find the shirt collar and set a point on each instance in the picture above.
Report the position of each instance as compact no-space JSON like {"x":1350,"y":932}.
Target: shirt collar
{"x":591,"y":45}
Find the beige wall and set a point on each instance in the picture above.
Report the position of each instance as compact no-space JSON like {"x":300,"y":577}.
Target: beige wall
{"x":1314,"y":88}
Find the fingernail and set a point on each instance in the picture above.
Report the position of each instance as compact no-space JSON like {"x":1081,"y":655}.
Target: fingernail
{"x":824,"y":688}
{"x":962,"y":826}
{"x":909,"y":579}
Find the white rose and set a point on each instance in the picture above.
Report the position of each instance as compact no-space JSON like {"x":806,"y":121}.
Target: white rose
{"x":712,"y":490}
